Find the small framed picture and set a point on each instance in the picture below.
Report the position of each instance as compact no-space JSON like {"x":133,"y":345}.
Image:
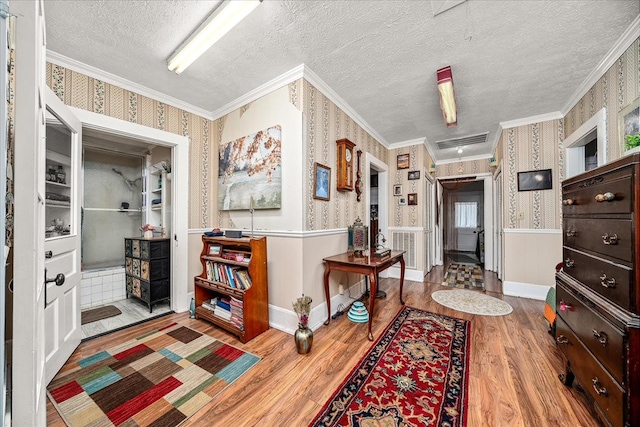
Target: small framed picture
{"x":402,"y":201}
{"x":403,"y":161}
{"x":629,"y":121}
{"x":413,"y":175}
{"x":397,"y":190}
{"x":322,"y":178}
{"x":215,"y":250}
{"x":412,"y":198}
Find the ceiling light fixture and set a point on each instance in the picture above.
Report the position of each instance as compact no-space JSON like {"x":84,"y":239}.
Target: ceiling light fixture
{"x":459,"y":150}
{"x":224,"y":18}
{"x":447,"y":99}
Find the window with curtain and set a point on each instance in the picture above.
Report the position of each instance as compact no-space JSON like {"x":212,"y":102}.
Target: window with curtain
{"x":466,"y":214}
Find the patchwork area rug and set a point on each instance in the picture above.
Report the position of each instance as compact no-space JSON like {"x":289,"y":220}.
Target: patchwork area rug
{"x":465,"y":276}
{"x":99,"y":313}
{"x":416,"y":374}
{"x":472,"y":302}
{"x":160,"y":379}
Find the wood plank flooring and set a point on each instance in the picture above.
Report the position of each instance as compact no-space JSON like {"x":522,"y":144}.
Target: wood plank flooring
{"x":513,"y":365}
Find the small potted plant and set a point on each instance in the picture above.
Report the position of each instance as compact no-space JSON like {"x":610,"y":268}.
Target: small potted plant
{"x":632,"y":142}
{"x":166,"y":165}
{"x":303,"y":335}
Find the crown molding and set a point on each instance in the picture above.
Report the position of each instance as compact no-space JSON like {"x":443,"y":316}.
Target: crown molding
{"x":408,"y":143}
{"x":623,"y":43}
{"x":555,"y":115}
{"x":319,"y":84}
{"x":262,"y":90}
{"x":112,"y":79}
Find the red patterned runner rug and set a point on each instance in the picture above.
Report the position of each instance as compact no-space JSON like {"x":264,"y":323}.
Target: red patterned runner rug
{"x":416,"y":374}
{"x":158,"y":379}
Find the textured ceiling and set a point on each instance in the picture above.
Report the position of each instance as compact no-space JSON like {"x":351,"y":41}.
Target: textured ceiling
{"x":510,"y":59}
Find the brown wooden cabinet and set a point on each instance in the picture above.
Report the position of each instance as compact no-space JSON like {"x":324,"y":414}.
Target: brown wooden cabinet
{"x":598,"y":292}
{"x":344,"y":158}
{"x":148,"y":269}
{"x":234,"y":272}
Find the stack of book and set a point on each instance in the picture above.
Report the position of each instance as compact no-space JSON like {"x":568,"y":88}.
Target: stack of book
{"x":237,"y":313}
{"x":223,"y":308}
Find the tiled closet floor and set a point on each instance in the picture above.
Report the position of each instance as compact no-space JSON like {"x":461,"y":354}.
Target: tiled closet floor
{"x":133,"y":310}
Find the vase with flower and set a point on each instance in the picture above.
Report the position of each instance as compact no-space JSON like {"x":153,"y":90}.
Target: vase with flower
{"x":303,"y":336}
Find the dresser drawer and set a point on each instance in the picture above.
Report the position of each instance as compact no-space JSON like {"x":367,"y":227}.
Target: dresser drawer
{"x":610,"y":237}
{"x":604,"y":340}
{"x":606,"y":392}
{"x":612,"y":281}
{"x":582,"y":194}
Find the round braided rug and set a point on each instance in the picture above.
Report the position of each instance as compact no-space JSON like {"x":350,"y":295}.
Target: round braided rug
{"x":472,"y":302}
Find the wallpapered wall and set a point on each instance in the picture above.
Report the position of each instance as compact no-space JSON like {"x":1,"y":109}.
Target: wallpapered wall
{"x":615,"y":90}
{"x":532,"y":147}
{"x":407,"y":215}
{"x":469,"y":167}
{"x":325,"y":123}
{"x":87,"y":93}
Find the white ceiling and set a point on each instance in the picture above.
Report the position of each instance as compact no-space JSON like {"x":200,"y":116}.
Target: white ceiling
{"x":510,"y":59}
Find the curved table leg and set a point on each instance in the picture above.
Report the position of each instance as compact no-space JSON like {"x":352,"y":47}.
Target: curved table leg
{"x":372,"y":299}
{"x":401,"y":278}
{"x":327,"y":270}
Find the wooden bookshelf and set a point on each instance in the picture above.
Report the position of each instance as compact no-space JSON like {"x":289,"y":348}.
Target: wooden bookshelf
{"x":214,"y":282}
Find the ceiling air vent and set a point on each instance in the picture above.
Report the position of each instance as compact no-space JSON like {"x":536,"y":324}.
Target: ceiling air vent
{"x":465,"y":141}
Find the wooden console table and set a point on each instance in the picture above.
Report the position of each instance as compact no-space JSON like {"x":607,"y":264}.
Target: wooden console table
{"x":364,"y":264}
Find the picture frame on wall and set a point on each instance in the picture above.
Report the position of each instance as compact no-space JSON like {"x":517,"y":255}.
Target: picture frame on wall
{"x":403,"y":161}
{"x":321,"y":181}
{"x":413,"y":175}
{"x":402,"y":201}
{"x":629,"y":121}
{"x":397,"y":190}
{"x":412,"y":198}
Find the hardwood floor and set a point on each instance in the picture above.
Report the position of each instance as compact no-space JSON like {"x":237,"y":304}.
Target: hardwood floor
{"x":513,"y":365}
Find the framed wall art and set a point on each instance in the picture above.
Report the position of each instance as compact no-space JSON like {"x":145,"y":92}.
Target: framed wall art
{"x":321,"y":181}
{"x":397,"y":190}
{"x":402,"y":201}
{"x":250,"y":169}
{"x":413,"y":175}
{"x":412,"y":198}
{"x":403,"y":161}
{"x":629,"y":122}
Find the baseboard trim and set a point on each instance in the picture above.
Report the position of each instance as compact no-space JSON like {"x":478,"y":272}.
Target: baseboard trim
{"x":413,"y":275}
{"x":287,"y":320}
{"x":525,"y":290}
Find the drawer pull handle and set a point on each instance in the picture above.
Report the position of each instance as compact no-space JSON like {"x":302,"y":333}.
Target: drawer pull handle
{"x":610,"y":240}
{"x":565,"y":307}
{"x":599,"y":388}
{"x":571,"y":233}
{"x":602,"y":337}
{"x":569,"y":202}
{"x":569,"y":263}
{"x":562,"y":340}
{"x":605,"y":197}
{"x":607,"y":282}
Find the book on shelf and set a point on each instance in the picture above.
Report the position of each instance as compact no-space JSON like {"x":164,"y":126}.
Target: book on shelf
{"x":221,"y":312}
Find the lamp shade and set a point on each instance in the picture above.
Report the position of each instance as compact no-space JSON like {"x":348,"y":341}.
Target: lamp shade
{"x":447,"y":98}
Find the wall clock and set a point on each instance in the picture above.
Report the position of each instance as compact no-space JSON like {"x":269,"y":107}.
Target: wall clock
{"x":345,"y":164}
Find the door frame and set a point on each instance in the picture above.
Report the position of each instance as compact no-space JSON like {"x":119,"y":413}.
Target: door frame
{"x":179,"y":190}
{"x":372,"y":162}
{"x":487,"y":178}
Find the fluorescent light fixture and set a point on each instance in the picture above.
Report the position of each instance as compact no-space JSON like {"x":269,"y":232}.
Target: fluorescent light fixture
{"x":224,"y":18}
{"x":447,"y":99}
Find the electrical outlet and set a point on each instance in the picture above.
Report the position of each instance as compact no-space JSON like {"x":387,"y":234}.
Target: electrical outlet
{"x":341,"y":289}
{"x":520,"y":215}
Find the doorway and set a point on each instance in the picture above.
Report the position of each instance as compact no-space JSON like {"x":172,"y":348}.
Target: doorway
{"x":463,"y":221}
{"x":133,"y":192}
{"x":376,"y":198}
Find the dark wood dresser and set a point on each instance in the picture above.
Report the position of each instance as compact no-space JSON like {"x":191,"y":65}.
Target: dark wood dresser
{"x":148,"y":269}
{"x":598,"y":322}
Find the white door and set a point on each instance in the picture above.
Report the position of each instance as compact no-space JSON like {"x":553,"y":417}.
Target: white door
{"x":63,"y":186}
